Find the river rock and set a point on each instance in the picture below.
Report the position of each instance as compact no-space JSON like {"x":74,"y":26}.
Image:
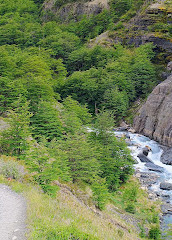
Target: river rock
{"x":166,"y":208}
{"x":147,"y":179}
{"x":124,"y":125}
{"x":165,"y":196}
{"x":146,"y":150}
{"x":131,"y":130}
{"x":166,"y":186}
{"x":144,"y":158}
{"x":154,"y":167}
{"x":154,"y":117}
{"x":166,"y":157}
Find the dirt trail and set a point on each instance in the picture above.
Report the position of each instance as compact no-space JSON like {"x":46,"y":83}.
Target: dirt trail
{"x":12,"y":215}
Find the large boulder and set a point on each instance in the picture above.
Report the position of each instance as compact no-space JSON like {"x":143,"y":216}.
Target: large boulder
{"x":154,"y":117}
{"x":153,"y":167}
{"x":166,"y":186}
{"x":144,"y":158}
{"x":166,"y":157}
{"x":146,"y":150}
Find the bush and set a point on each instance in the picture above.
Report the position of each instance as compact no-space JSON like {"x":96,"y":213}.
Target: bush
{"x":154,"y":232}
{"x":130,"y":208}
{"x":9,"y":168}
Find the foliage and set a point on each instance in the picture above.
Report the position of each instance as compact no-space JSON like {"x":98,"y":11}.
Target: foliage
{"x":52,"y":85}
{"x":81,"y":157}
{"x":100,"y":192}
{"x":115,"y":160}
{"x":46,"y":121}
{"x":113,"y":83}
{"x":130,"y":208}
{"x":13,"y":140}
{"x":46,"y":169}
{"x":154,"y":232}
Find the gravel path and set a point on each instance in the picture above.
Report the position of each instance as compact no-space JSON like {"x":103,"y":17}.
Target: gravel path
{"x":12,"y":215}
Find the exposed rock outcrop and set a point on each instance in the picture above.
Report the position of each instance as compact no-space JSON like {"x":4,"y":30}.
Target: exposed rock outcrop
{"x":148,"y":25}
{"x":73,"y":9}
{"x":154,"y":119}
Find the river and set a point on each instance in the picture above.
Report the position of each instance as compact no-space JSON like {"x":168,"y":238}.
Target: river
{"x":137,"y":143}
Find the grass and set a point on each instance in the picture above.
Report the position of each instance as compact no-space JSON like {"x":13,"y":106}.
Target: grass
{"x":67,"y":217}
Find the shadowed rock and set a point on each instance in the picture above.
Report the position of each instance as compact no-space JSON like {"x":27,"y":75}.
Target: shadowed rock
{"x":144,"y":158}
{"x":166,"y":186}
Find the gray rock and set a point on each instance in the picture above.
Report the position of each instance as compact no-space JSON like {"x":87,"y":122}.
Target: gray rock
{"x":144,"y":158}
{"x":72,"y":10}
{"x":165,"y":196}
{"x":147,"y":179}
{"x":145,"y":151}
{"x":169,"y":66}
{"x":154,"y":167}
{"x":166,"y":186}
{"x":166,"y":157}
{"x":166,"y":208}
{"x":154,"y":117}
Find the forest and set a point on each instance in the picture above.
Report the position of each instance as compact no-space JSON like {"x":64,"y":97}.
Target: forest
{"x":55,"y":88}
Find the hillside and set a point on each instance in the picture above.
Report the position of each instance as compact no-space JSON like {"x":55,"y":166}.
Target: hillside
{"x":68,"y":77}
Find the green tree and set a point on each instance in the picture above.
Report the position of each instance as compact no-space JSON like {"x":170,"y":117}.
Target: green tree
{"x":117,"y":101}
{"x":82,"y":158}
{"x":46,"y":121}
{"x":13,"y":140}
{"x":116,"y":163}
{"x":81,"y":112}
{"x":46,"y":167}
{"x":100,"y":192}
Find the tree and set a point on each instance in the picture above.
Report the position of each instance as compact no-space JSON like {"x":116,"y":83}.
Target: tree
{"x":14,"y":140}
{"x":81,"y":158}
{"x":116,"y":163}
{"x":117,"y":101}
{"x":46,"y":121}
{"x":81,"y":112}
{"x":46,"y":167}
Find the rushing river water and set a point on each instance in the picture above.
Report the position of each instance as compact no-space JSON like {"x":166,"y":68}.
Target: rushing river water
{"x":137,"y":143}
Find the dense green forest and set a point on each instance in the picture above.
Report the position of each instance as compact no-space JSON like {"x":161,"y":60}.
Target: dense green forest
{"x":54,"y":86}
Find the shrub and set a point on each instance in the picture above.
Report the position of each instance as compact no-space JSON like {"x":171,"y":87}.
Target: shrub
{"x":154,"y":232}
{"x":130,"y":208}
{"x":9,"y":168}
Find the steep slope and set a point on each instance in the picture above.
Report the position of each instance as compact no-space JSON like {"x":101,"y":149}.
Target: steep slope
{"x":154,"y":117}
{"x":151,"y":23}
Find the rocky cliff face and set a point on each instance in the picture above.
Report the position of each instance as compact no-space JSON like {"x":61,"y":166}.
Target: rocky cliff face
{"x":154,"y":119}
{"x":72,"y":9}
{"x":150,"y":24}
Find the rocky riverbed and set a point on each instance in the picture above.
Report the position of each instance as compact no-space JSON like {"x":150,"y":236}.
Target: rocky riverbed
{"x":154,"y":176}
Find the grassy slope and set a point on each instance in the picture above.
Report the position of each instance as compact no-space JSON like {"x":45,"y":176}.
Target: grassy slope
{"x":68,"y":217}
